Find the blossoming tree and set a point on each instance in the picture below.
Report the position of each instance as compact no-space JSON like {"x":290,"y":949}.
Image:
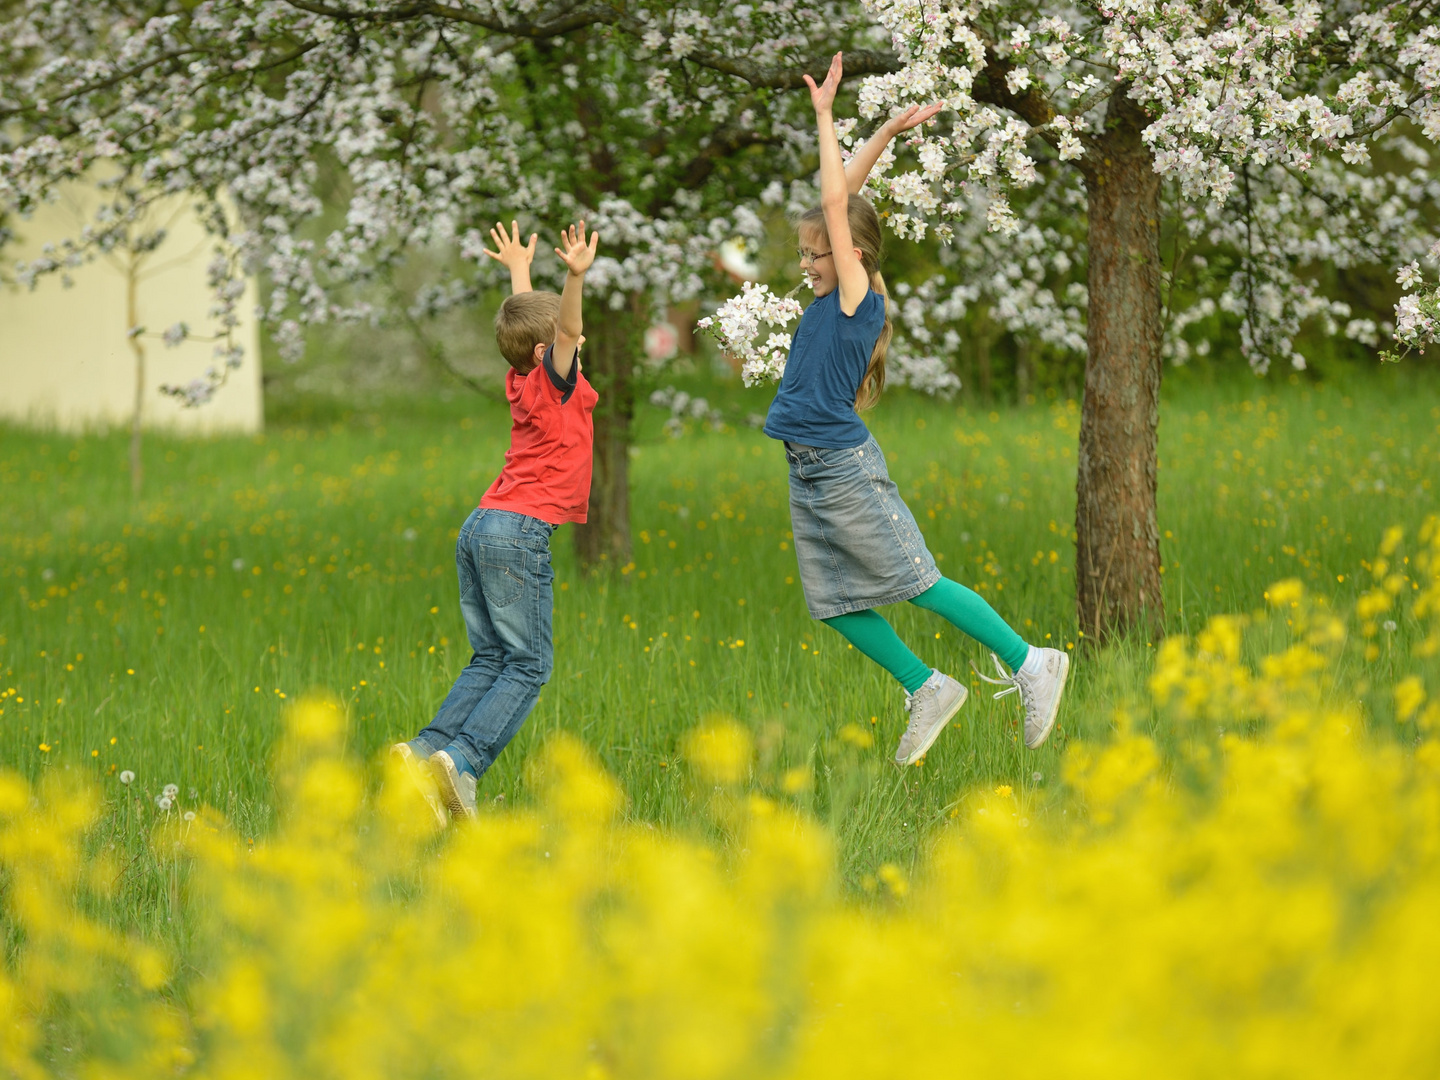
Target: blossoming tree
{"x":1286,"y":134}
{"x":657,"y":122}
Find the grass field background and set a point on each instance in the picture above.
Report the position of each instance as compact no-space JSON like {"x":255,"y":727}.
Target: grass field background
{"x":166,"y":636}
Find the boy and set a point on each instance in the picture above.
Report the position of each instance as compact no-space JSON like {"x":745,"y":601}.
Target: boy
{"x":503,"y":552}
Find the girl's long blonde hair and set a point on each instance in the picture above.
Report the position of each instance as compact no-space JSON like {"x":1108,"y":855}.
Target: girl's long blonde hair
{"x":865,"y":234}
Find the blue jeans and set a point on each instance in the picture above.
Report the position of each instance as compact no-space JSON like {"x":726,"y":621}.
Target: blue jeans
{"x":506,"y":598}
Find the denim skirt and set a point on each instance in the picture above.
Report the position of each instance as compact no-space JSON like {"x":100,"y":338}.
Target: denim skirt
{"x":856,"y":541}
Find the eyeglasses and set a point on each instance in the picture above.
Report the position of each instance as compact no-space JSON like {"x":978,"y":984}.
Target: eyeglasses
{"x":810,"y":256}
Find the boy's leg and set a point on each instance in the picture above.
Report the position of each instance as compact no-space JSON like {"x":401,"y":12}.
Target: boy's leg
{"x":872,"y":635}
{"x":969,"y":612}
{"x":516,"y":583}
{"x":487,"y":652}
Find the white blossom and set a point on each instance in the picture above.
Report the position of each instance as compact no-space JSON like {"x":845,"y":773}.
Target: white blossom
{"x":736,"y":324}
{"x":1260,"y":124}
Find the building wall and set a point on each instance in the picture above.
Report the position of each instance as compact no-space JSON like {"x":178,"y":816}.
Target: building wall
{"x":65,"y":360}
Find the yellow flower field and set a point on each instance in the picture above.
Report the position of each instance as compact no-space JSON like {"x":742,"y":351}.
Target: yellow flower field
{"x":1239,"y":879}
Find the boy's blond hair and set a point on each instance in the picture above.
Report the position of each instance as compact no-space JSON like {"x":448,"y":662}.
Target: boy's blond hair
{"x":525,"y":320}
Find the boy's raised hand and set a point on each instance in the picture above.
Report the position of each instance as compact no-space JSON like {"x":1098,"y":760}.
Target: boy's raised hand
{"x":574,"y":252}
{"x":508,"y":249}
{"x":823,"y":96}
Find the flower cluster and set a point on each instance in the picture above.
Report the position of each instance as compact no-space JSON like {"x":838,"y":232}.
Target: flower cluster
{"x":1417,"y":314}
{"x":435,"y":120}
{"x":736,"y":327}
{"x":1261,"y":123}
{"x":682,"y":407}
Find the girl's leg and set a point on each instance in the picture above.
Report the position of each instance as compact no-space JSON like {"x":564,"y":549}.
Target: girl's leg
{"x":969,"y":612}
{"x":872,"y":635}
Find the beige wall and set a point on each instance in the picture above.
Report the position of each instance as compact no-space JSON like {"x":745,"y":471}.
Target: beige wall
{"x":65,"y":361}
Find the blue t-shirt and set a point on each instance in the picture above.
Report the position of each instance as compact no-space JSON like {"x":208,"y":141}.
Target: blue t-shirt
{"x":828,"y":358}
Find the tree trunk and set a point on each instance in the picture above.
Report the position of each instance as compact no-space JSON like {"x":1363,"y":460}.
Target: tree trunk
{"x":603,"y":542}
{"x":1117,"y":545}
{"x":132,"y":309}
{"x":982,"y":356}
{"x":1022,"y":372}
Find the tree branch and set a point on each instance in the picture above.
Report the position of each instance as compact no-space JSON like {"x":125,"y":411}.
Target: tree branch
{"x":791,"y":77}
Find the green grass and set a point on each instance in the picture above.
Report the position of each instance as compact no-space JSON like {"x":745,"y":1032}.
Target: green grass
{"x":167,"y":636}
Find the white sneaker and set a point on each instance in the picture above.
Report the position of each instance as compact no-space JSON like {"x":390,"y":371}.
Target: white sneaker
{"x":930,"y":709}
{"x":414,"y":767}
{"x":457,"y":789}
{"x":1040,"y":685}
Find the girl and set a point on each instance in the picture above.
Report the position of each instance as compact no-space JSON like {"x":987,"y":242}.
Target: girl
{"x":856,"y":540}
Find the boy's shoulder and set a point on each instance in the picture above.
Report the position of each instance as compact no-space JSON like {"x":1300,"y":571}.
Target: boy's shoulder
{"x":544,"y":383}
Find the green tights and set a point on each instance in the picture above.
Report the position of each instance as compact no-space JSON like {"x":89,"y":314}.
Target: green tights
{"x":872,"y":635}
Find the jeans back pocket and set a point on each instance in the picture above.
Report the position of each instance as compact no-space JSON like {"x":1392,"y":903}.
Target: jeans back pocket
{"x":502,"y":575}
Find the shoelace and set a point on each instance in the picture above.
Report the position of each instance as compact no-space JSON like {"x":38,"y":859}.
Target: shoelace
{"x":910,"y":728}
{"x":1010,"y":680}
{"x":909,"y":701}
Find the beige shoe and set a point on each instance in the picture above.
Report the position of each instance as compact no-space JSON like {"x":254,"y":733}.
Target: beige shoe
{"x":457,"y":789}
{"x":930,"y":708}
{"x":414,"y":767}
{"x":1040,"y":685}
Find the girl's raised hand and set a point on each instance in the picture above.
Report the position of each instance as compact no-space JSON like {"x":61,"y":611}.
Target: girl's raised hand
{"x":508,"y":249}
{"x":912,"y":117}
{"x":574,"y":252}
{"x":823,"y":96}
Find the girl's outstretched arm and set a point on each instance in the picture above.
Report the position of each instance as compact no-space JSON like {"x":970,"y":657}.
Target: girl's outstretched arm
{"x":863,"y":160}
{"x":834,"y":195}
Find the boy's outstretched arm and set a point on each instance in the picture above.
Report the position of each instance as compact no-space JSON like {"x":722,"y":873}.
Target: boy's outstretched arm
{"x":577,"y":255}
{"x":863,"y":160}
{"x":513,"y":255}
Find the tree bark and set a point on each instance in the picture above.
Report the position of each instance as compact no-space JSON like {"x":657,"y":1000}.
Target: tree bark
{"x":132,"y":316}
{"x":603,"y":542}
{"x":1022,"y":372}
{"x":1117,"y":545}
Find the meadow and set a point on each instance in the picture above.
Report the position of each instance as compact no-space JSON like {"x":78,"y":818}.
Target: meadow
{"x":696,"y":859}
{"x":164,"y":638}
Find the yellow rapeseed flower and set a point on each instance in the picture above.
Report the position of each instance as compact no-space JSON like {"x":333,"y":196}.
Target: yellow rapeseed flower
{"x":1409,"y":696}
{"x":720,"y":751}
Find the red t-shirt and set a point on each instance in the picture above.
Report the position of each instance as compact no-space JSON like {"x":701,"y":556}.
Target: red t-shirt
{"x":547,"y":468}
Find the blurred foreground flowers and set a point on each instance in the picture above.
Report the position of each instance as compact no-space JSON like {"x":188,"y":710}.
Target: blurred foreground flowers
{"x":1242,"y":881}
